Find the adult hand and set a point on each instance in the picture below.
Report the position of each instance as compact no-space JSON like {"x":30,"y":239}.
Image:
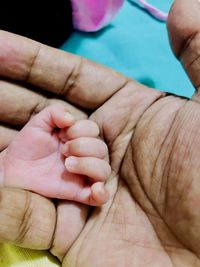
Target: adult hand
{"x":153,"y":217}
{"x":32,"y":77}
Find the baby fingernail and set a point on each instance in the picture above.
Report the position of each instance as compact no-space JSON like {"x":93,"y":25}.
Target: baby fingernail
{"x":100,"y":188}
{"x":71,"y":163}
{"x":103,"y":193}
{"x":65,"y":149}
{"x":68,"y":117}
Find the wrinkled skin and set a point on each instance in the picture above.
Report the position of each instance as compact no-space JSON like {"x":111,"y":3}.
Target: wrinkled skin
{"x":152,"y":218}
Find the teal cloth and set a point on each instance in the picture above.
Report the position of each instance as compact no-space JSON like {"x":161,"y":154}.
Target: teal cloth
{"x":136,"y":45}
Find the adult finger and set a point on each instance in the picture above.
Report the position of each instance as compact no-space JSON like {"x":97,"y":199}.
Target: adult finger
{"x":77,"y":80}
{"x":184,"y":34}
{"x":26,"y":219}
{"x":6,"y":135}
{"x":71,"y":218}
{"x":18,"y":104}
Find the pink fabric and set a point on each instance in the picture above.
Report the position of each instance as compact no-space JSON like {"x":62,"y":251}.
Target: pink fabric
{"x":92,"y":15}
{"x":154,"y":11}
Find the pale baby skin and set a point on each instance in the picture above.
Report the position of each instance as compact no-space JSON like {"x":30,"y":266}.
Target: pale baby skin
{"x":58,"y":157}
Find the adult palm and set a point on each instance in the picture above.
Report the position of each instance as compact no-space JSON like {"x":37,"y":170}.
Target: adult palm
{"x":152,"y":218}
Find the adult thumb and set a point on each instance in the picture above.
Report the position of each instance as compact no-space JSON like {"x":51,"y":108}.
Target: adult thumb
{"x":184,"y":35}
{"x":26,"y":219}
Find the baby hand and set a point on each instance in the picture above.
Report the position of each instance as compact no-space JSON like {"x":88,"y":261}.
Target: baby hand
{"x":58,"y":158}
{"x":87,"y":156}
